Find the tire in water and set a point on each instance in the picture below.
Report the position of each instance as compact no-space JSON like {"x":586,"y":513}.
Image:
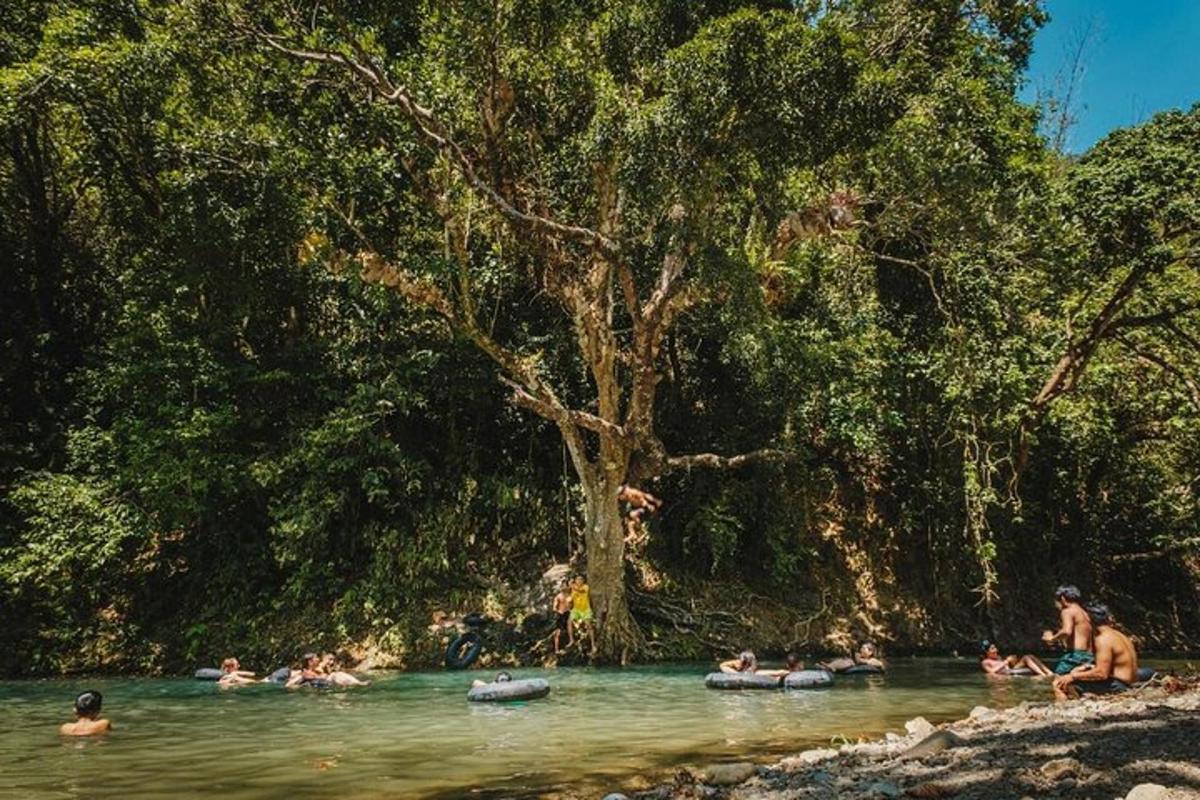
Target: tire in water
{"x":741,"y":680}
{"x":526,"y":689}
{"x":463,"y":651}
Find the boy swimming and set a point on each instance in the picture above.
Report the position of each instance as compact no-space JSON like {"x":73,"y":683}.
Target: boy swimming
{"x":87,"y":716}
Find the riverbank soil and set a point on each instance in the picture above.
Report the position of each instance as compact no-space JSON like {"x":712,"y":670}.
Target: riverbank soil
{"x":1143,"y":746}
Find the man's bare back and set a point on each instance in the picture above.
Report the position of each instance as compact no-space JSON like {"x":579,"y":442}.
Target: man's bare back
{"x":85,"y":727}
{"x":1075,"y":628}
{"x":1114,"y":649}
{"x":1075,"y":618}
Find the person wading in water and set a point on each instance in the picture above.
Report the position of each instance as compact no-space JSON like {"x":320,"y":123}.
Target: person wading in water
{"x":1075,"y":630}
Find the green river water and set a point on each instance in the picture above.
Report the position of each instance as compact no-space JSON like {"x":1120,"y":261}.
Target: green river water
{"x":414,"y":735}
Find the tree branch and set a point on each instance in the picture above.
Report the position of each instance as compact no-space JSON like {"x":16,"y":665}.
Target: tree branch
{"x":436,"y":134}
{"x":552,"y":410}
{"x":1160,"y":362}
{"x":1162,"y":317}
{"x":714,"y":461}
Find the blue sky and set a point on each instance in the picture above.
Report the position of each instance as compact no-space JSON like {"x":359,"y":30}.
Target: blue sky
{"x":1143,"y":57}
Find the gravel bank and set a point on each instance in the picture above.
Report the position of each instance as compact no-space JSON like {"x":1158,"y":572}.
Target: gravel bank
{"x":1144,"y":746}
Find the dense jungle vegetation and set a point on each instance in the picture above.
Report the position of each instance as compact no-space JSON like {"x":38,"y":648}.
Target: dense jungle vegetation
{"x":319,"y":318}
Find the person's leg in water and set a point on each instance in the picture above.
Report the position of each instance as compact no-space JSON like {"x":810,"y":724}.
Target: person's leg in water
{"x":1035,"y":665}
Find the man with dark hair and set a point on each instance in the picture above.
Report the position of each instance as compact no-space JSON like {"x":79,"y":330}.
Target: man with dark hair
{"x":1116,"y":666}
{"x":87,"y":716}
{"x":1075,"y":630}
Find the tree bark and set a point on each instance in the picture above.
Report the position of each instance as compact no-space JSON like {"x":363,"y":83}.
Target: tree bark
{"x":618,"y":638}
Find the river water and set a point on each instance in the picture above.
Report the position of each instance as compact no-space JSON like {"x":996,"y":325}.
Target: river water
{"x":413,"y":735}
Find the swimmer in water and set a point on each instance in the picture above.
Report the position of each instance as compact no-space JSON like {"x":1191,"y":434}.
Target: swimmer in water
{"x":232,"y":674}
{"x":87,"y":716}
{"x":328,"y":668}
{"x":501,"y":677}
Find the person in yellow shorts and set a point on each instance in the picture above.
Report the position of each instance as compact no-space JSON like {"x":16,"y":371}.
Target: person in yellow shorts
{"x":581,"y":610}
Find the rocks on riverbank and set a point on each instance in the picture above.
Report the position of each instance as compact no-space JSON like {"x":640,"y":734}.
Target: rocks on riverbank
{"x":1144,"y":746}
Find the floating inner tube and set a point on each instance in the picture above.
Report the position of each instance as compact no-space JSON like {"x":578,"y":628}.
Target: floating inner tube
{"x":1019,"y":672}
{"x":463,"y":651}
{"x":861,"y":669}
{"x":808,"y":679}
{"x":280,"y":675}
{"x":208,"y":674}
{"x":1146,"y":674}
{"x":741,"y":680}
{"x":527,"y":689}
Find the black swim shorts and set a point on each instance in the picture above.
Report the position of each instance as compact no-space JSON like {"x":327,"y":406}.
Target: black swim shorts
{"x":563,"y":620}
{"x":1110,"y":686}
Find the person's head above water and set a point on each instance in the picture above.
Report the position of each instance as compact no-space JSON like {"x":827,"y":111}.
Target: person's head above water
{"x":1067,"y":594}
{"x":87,"y":705}
{"x":867,"y":650}
{"x":988,"y":650}
{"x":793,"y":661}
{"x":747,"y":661}
{"x":503,"y":677}
{"x":309,"y":661}
{"x":1099,"y":614}
{"x":230,"y":665}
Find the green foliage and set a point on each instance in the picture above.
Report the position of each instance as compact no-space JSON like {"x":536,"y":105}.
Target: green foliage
{"x":213,"y":435}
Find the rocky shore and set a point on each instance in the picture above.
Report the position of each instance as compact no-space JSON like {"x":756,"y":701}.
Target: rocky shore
{"x":1143,"y":746}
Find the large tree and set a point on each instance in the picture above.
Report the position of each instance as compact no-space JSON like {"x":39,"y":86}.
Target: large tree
{"x":628,"y":160}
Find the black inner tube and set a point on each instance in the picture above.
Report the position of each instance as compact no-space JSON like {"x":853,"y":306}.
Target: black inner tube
{"x":463,"y":651}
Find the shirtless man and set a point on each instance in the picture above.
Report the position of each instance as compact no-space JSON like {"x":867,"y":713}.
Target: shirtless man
{"x":640,"y":503}
{"x":995,"y":664}
{"x":232,"y":674}
{"x":867,"y":655}
{"x":562,"y":617}
{"x":87,"y":716}
{"x":748,"y":662}
{"x":1116,"y":666}
{"x":329,"y":668}
{"x":306,"y":672}
{"x":1075,"y":630}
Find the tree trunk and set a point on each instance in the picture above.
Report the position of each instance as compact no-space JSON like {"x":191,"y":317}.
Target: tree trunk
{"x":618,"y":638}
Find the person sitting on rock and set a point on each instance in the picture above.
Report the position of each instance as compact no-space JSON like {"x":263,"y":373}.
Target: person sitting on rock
{"x":232,"y":674}
{"x":748,"y":662}
{"x":866,"y":656}
{"x":640,"y":503}
{"x":995,"y":664}
{"x":1075,"y":630}
{"x":87,"y":716}
{"x":1115,"y":668}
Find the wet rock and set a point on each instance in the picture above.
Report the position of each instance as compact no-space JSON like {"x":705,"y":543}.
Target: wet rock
{"x":1147,"y":791}
{"x":883,"y":789}
{"x":726,"y":774}
{"x":1060,"y":768}
{"x":934,"y":743}
{"x":807,"y":758}
{"x":919,"y":727}
{"x":983,"y":714}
